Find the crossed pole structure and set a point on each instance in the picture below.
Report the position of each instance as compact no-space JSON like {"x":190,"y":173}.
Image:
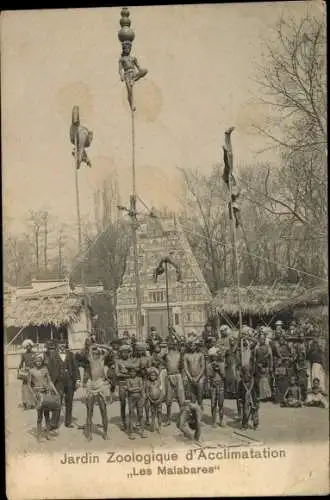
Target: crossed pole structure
{"x":130,"y":72}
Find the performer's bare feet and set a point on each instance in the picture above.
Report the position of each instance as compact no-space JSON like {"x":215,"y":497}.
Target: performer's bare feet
{"x":131,"y":436}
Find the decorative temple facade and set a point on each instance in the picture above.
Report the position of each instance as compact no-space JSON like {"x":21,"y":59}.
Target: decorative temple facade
{"x":188,"y":299}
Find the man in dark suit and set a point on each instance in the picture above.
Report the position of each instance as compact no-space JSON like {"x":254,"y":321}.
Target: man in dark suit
{"x":65,"y":375}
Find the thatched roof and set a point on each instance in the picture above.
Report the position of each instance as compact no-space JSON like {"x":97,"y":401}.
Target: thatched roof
{"x":55,"y":310}
{"x":261,"y":300}
{"x":314,"y":297}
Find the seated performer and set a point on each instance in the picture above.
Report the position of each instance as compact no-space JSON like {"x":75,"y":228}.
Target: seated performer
{"x":216,"y":378}
{"x":39,"y":383}
{"x":189,"y":421}
{"x":316,"y":396}
{"x":248,"y":399}
{"x":156,"y":395}
{"x":136,"y":398}
{"x":96,"y":385}
{"x":292,"y":396}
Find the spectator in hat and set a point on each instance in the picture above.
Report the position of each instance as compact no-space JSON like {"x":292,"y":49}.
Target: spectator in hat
{"x":279,"y":328}
{"x":25,"y":365}
{"x":64,"y":373}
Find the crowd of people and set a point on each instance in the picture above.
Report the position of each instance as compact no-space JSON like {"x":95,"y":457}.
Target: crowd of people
{"x":252,"y":366}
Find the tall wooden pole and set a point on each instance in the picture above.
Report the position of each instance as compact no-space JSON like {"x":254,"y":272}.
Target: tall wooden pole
{"x":130,"y":72}
{"x":167,"y":297}
{"x":236,"y":261}
{"x":133,"y":214}
{"x":77,"y":191}
{"x":80,"y":252}
{"x":233,"y":230}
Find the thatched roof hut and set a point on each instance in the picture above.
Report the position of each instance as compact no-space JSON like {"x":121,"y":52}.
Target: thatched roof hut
{"x":311,"y":298}
{"x":59,"y":310}
{"x":254,"y":300}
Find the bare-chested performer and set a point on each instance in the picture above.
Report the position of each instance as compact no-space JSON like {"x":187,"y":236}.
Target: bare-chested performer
{"x":194,"y":367}
{"x":174,"y":382}
{"x":136,"y":399}
{"x":39,"y":383}
{"x":122,"y":364}
{"x":130,"y":71}
{"x":155,"y":395}
{"x":96,"y":385}
{"x":143,"y":363}
{"x":189,"y":420}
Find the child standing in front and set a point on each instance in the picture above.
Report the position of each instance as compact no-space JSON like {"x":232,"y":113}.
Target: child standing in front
{"x":40,"y":383}
{"x":136,"y":400}
{"x":156,"y":395}
{"x":248,"y":399}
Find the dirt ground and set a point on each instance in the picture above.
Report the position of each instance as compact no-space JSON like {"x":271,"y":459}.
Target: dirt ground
{"x":277,"y":425}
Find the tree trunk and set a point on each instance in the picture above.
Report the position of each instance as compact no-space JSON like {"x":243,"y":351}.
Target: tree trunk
{"x":46,"y":243}
{"x":37,"y":249}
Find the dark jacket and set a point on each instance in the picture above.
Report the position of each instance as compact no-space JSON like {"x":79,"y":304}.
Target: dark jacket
{"x":66,"y":371}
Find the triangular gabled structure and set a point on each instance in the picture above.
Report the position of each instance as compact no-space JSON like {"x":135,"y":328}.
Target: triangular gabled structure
{"x":188,"y":300}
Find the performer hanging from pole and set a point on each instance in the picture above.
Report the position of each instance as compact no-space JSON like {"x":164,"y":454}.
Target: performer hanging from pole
{"x":234,"y":211}
{"x":81,"y":137}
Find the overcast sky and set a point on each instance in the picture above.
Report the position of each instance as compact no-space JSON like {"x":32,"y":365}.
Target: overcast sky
{"x":201,"y":61}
